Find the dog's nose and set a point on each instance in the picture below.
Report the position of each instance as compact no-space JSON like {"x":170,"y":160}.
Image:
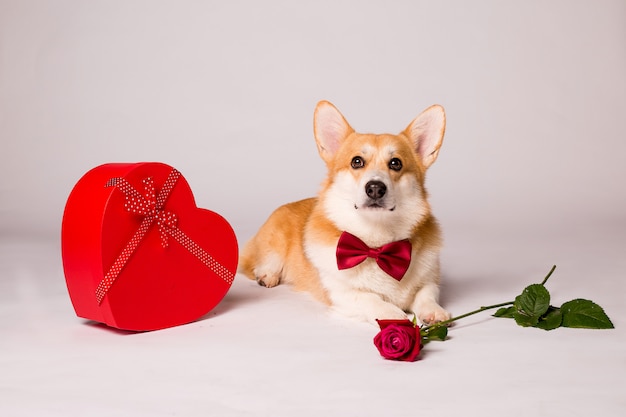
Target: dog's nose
{"x":375,"y":189}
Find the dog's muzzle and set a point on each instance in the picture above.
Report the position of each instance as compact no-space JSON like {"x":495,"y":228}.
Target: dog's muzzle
{"x":377,"y":196}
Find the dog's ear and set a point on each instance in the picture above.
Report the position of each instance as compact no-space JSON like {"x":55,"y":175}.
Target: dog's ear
{"x":330,"y":129}
{"x":426,"y":132}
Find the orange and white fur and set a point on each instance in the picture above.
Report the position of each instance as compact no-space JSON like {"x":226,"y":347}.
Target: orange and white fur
{"x":297,"y":244}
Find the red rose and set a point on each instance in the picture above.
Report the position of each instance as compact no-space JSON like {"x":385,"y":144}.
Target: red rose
{"x":398,"y":340}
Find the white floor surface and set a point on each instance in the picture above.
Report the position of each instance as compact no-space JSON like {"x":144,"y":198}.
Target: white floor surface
{"x":274,"y":352}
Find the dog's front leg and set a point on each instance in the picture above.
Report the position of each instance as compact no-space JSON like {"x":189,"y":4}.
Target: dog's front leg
{"x":426,"y":305}
{"x":364,"y":305}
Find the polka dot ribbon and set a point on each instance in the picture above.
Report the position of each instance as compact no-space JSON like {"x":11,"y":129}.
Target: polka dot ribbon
{"x":150,"y":207}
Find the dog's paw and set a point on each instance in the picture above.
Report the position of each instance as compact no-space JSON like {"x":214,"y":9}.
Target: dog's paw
{"x":268,"y":280}
{"x":432,"y":313}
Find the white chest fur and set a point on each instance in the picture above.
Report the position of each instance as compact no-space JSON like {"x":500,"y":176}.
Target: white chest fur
{"x":366,"y":277}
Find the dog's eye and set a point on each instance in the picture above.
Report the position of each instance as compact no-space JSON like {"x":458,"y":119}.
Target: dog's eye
{"x":357,"y":162}
{"x":395,"y":164}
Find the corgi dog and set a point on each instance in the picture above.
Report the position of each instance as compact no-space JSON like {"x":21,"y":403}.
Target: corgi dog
{"x":367,"y":245}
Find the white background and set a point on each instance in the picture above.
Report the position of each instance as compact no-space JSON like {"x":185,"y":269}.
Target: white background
{"x":531,"y":173}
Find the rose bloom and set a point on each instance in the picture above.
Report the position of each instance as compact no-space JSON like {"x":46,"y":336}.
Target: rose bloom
{"x":398,"y":340}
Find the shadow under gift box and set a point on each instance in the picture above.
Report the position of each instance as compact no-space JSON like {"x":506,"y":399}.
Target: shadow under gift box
{"x":177,"y":260}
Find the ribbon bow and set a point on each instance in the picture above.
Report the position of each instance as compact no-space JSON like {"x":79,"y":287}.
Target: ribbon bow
{"x":394,"y":258}
{"x":148,"y":205}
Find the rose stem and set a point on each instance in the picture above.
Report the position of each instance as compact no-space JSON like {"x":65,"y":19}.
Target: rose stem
{"x":548,"y":276}
{"x":462,"y":316}
{"x":480,"y":310}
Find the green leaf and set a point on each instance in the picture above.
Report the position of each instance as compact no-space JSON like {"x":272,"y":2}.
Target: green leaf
{"x":438,"y":333}
{"x":551,"y":320}
{"x":531,"y":304}
{"x":533,"y":301}
{"x":585,"y":314}
{"x":505,"y":312}
{"x":525,"y":320}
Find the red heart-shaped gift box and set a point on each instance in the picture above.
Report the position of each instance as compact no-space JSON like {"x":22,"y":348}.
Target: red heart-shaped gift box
{"x":138,"y":254}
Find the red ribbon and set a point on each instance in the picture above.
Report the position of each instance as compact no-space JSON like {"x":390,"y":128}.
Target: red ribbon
{"x":150,"y":207}
{"x":394,"y":258}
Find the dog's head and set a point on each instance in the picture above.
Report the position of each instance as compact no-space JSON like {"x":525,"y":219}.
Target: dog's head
{"x":377,"y":179}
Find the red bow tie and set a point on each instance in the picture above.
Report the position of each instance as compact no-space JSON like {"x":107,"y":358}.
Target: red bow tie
{"x":394,"y":258}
